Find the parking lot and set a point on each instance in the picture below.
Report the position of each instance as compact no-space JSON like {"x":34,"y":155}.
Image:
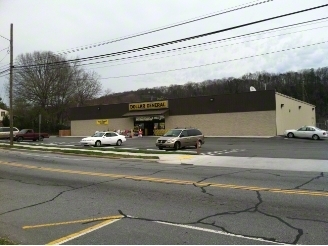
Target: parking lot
{"x":275,"y":147}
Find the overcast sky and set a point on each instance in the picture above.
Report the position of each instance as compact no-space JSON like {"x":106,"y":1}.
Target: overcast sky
{"x":64,"y":25}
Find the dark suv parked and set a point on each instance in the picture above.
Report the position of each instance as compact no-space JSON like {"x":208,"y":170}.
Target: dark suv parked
{"x":178,"y":138}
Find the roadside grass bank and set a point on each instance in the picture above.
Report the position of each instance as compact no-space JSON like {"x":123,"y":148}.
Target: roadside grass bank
{"x":114,"y":149}
{"x":81,"y":153}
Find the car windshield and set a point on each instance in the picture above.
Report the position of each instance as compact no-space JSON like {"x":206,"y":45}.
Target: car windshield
{"x":172,"y":133}
{"x":98,"y":134}
{"x":23,"y":131}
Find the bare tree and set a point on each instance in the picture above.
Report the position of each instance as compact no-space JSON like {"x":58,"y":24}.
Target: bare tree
{"x":54,"y":85}
{"x":87,"y":87}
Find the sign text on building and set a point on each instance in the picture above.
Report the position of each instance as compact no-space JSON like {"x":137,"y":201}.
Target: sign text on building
{"x":148,"y":105}
{"x":102,"y":122}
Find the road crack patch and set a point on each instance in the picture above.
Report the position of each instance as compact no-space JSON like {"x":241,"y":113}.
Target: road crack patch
{"x":307,"y":182}
{"x":52,"y":199}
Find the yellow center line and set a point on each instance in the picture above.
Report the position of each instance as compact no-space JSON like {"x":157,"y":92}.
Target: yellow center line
{"x":81,"y":233}
{"x":170,"y":181}
{"x":74,"y":222}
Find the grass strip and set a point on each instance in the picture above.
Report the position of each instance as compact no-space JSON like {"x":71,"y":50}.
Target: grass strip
{"x":85,"y":153}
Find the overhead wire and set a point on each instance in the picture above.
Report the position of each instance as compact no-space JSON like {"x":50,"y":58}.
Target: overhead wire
{"x":224,"y":11}
{"x":214,"y":63}
{"x":206,"y":43}
{"x":6,"y":65}
{"x":4,"y":49}
{"x":4,"y":57}
{"x":4,"y":75}
{"x":119,"y":64}
{"x":304,"y":23}
{"x":4,"y":37}
{"x":3,"y":71}
{"x":179,"y":40}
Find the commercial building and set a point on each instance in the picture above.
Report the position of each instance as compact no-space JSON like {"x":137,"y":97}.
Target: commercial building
{"x":256,"y":113}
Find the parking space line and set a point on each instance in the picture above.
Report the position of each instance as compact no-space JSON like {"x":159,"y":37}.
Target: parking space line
{"x":81,"y":233}
{"x":74,"y":222}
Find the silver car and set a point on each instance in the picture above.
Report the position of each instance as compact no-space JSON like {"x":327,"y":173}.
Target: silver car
{"x":307,"y":132}
{"x":5,"y":132}
{"x":180,"y":138}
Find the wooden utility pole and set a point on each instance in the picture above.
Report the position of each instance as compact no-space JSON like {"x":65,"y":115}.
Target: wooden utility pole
{"x":11,"y":87}
{"x":303,"y":91}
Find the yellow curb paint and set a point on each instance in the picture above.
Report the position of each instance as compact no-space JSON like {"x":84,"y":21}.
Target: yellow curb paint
{"x":169,"y":181}
{"x":183,"y":157}
{"x":81,"y":233}
{"x":74,"y":222}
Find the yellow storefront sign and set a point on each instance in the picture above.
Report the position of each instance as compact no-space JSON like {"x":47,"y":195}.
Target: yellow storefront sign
{"x":102,"y":122}
{"x":149,"y":105}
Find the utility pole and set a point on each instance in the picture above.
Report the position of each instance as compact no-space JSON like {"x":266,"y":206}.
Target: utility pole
{"x":11,"y":87}
{"x":303,"y":91}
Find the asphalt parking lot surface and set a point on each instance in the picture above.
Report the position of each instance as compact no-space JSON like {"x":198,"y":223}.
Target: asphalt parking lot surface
{"x":275,"y":147}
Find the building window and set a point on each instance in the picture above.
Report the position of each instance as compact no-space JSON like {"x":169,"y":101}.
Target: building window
{"x":3,"y":113}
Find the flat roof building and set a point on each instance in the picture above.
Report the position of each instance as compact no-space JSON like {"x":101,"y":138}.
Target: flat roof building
{"x":256,"y":113}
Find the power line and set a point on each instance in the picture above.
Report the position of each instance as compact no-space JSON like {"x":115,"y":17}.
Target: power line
{"x":225,"y":11}
{"x":4,"y":57}
{"x":213,"y":63}
{"x":4,"y":75}
{"x":4,"y":37}
{"x":179,"y":40}
{"x":4,"y":65}
{"x":4,"y":49}
{"x":196,"y":45}
{"x":4,"y":70}
{"x":206,"y":49}
{"x":207,"y":43}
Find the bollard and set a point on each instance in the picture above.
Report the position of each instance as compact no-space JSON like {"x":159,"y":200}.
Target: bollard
{"x":197,"y":147}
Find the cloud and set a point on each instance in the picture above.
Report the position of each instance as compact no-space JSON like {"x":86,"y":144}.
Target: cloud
{"x":64,"y":25}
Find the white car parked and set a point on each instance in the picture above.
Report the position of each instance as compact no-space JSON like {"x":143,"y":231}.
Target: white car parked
{"x":307,"y":132}
{"x":104,"y":138}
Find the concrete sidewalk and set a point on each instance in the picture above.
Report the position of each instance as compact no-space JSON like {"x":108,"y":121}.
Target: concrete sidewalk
{"x":284,"y":164}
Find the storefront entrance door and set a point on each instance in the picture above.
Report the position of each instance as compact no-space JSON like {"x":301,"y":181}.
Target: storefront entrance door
{"x":149,"y":128}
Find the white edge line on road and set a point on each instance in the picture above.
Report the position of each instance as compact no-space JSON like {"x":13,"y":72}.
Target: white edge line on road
{"x":211,"y":231}
{"x":218,"y":232}
{"x":81,"y":233}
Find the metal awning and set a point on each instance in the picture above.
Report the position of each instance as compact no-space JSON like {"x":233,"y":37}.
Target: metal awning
{"x":145,"y":113}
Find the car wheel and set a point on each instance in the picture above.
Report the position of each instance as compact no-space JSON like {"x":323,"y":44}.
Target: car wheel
{"x":290,"y":135}
{"x":315,"y":137}
{"x":119,"y":142}
{"x":199,"y":143}
{"x":177,"y":145}
{"x":160,"y":148}
{"x":40,"y":138}
{"x":19,"y":139}
{"x":97,"y":144}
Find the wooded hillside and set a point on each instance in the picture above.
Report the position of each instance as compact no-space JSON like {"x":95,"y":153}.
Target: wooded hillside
{"x":310,"y":85}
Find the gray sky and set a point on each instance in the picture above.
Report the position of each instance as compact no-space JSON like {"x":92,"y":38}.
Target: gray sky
{"x":62,"y":25}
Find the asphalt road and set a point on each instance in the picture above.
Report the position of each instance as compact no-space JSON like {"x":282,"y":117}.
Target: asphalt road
{"x":276,"y":147}
{"x":61,"y":199}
